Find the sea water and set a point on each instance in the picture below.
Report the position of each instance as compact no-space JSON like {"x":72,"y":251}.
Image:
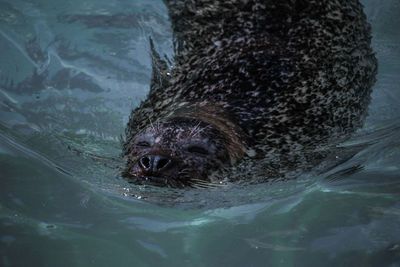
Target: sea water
{"x":71,"y":71}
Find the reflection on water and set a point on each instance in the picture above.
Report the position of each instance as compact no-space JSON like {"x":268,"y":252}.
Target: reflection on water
{"x":70,"y":72}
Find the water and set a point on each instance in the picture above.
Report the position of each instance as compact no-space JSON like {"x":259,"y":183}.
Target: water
{"x":70,"y":71}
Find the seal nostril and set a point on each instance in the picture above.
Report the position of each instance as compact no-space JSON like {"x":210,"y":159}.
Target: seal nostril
{"x":162,"y":163}
{"x":152,"y":163}
{"x":145,"y":163}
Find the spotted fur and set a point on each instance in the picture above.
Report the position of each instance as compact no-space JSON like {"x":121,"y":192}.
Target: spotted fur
{"x":289,"y":74}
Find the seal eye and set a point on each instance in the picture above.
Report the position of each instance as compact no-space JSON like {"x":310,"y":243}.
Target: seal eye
{"x":142,"y":144}
{"x":197,"y":150}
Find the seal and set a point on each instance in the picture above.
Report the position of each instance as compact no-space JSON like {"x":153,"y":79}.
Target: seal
{"x":255,"y":87}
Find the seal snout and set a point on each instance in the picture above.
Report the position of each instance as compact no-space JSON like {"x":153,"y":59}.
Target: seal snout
{"x":154,"y":164}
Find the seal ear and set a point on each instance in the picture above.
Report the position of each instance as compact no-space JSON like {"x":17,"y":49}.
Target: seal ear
{"x":160,"y":71}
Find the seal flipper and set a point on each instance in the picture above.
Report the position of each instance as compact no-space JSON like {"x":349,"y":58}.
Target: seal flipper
{"x":160,"y":71}
{"x":159,"y":85}
{"x":195,"y":25}
{"x":179,"y":22}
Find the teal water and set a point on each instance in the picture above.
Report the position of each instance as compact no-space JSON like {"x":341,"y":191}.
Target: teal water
{"x":70,"y":72}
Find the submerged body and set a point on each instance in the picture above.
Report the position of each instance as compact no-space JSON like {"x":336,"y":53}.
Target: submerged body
{"x":256,"y":86}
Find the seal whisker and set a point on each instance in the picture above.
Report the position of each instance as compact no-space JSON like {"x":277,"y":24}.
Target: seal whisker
{"x":205,"y":183}
{"x":152,"y":125}
{"x":194,"y":130}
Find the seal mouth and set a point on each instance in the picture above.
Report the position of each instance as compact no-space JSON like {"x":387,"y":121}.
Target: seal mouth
{"x":158,"y":180}
{"x":153,"y":178}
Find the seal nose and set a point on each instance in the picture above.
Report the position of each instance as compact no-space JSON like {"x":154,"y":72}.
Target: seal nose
{"x":154,"y":163}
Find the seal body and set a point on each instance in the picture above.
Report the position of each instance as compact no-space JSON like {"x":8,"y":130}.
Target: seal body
{"x":265,"y":80}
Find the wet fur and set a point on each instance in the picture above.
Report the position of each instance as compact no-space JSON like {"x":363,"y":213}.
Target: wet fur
{"x":289,"y":75}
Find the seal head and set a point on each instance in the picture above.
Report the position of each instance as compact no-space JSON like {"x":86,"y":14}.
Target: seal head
{"x":179,"y":151}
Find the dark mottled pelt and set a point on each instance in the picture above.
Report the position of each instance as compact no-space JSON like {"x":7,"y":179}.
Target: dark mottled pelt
{"x":275,"y":79}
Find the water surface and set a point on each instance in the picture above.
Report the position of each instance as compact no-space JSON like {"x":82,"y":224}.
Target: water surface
{"x":71,"y":71}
